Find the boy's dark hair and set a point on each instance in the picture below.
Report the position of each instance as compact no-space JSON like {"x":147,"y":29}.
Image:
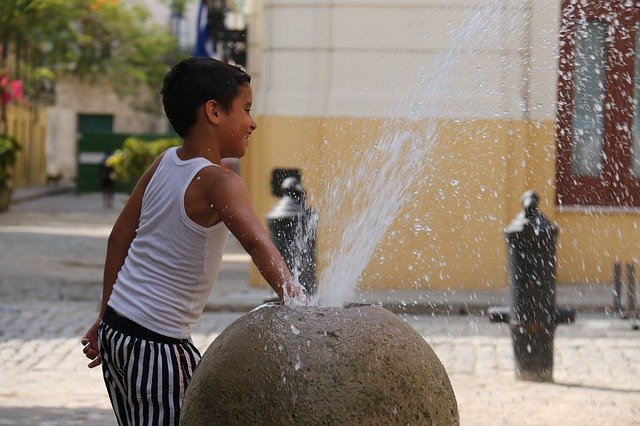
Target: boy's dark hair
{"x":194,"y":81}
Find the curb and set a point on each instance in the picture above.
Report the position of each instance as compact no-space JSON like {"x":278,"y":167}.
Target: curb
{"x":404,"y":308}
{"x":20,"y":196}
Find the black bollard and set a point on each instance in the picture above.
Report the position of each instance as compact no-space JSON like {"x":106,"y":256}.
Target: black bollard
{"x":631,"y":291}
{"x":292,"y":228}
{"x":617,"y":289}
{"x":531,"y":240}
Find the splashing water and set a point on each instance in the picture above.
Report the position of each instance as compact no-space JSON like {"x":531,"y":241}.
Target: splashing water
{"x":377,"y":198}
{"x":381,"y":183}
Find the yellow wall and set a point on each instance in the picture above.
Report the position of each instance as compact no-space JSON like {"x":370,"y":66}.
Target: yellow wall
{"x":474,"y":178}
{"x":28,"y":126}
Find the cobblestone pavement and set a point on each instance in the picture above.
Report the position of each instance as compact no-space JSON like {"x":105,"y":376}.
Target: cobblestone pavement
{"x":50,"y":266}
{"x":597,"y":379}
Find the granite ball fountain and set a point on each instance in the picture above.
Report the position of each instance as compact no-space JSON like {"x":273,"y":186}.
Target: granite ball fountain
{"x":313,"y":365}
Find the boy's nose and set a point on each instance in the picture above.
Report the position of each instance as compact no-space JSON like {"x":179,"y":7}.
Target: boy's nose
{"x":254,"y":125}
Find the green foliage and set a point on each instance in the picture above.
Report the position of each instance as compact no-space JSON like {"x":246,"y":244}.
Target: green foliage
{"x":136,"y":155}
{"x":88,"y":39}
{"x":9,"y":148}
{"x":178,"y":5}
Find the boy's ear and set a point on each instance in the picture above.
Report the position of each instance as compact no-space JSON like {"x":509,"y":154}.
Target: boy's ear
{"x":212,"y":111}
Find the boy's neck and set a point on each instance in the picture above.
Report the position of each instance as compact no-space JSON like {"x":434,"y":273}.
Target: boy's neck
{"x":193,"y":147}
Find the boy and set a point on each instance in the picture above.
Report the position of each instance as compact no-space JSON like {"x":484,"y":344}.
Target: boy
{"x":166,"y":246}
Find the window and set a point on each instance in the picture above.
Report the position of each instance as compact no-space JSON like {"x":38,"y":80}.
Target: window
{"x":179,"y":29}
{"x":598,"y":127}
{"x":588,"y":99}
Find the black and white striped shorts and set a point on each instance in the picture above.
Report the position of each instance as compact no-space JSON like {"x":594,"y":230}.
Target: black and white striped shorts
{"x":146,"y":373}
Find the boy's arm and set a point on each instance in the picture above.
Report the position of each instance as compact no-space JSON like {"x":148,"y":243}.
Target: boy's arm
{"x":120,"y":238}
{"x":231,"y":200}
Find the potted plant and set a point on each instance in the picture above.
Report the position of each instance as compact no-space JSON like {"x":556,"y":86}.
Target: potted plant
{"x":9,"y":148}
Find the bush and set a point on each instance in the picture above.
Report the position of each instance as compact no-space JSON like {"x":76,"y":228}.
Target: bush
{"x":136,"y":155}
{"x":9,"y":148}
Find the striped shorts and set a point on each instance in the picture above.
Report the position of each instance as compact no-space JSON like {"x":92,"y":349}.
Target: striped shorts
{"x":146,"y":373}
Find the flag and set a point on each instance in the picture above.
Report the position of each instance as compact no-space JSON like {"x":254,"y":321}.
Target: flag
{"x":204,"y":45}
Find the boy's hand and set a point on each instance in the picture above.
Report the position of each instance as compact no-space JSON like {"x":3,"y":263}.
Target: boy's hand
{"x":90,"y":343}
{"x":295,"y":295}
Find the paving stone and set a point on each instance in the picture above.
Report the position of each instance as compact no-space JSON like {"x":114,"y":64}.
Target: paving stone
{"x":49,"y":291}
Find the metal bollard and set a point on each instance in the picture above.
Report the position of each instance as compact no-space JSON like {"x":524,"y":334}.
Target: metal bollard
{"x":531,"y":240}
{"x":631,"y":291}
{"x":617,"y":289}
{"x":292,"y":228}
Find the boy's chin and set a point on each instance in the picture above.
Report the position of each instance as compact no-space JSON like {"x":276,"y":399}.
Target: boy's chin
{"x":233,"y":154}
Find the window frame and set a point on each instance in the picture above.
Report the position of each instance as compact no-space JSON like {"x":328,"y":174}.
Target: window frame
{"x":615,"y":186}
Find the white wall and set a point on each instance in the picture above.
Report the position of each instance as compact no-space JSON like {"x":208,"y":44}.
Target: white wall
{"x":375,"y":58}
{"x":545,"y":28}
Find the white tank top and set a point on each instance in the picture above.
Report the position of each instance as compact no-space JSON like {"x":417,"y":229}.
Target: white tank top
{"x":173,"y":262}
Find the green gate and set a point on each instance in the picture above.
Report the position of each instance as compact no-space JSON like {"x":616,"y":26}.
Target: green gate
{"x":92,"y":150}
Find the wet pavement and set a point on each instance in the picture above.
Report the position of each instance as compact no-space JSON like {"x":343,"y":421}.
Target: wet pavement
{"x":51,"y":256}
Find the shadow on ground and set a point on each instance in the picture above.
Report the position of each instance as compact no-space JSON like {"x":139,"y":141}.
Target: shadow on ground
{"x":598,"y":388}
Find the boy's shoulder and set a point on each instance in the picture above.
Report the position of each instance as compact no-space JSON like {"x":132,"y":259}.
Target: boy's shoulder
{"x":223,"y":188}
{"x":221,"y":180}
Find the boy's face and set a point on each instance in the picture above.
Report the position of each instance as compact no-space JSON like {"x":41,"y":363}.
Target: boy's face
{"x":237,"y":124}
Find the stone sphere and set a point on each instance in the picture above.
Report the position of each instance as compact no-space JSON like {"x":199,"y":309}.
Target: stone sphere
{"x":280,"y":365}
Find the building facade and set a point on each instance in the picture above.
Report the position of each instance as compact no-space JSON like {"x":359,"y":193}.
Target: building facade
{"x":499,"y":97}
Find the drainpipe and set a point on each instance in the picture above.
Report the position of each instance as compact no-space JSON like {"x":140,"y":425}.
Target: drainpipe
{"x":527,"y":59}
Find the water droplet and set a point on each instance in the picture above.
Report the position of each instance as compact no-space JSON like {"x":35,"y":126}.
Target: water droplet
{"x":297,"y":364}
{"x":421,"y":228}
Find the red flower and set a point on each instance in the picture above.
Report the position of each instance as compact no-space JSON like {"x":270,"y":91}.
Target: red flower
{"x":10,"y":90}
{"x":16,"y":90}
